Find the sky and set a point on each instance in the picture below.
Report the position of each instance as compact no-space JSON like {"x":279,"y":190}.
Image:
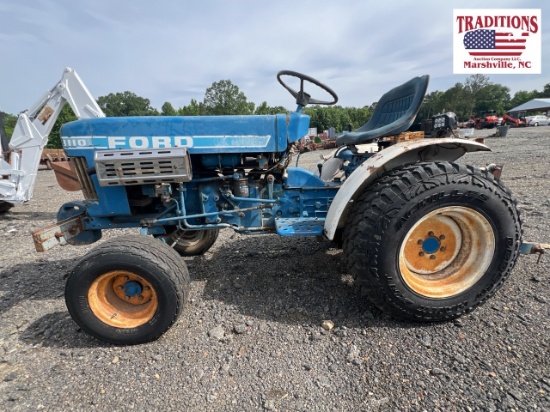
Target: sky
{"x":173,"y":50}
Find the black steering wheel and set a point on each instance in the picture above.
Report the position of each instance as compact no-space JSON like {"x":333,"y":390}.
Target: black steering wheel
{"x":302,"y":98}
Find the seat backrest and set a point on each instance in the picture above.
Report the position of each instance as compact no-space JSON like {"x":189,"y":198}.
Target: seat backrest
{"x":394,"y":113}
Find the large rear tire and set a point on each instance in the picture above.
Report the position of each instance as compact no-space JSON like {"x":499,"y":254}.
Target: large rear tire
{"x":433,"y":241}
{"x":129,"y":290}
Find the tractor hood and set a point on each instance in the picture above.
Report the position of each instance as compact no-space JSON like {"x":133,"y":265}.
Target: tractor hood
{"x":199,"y":134}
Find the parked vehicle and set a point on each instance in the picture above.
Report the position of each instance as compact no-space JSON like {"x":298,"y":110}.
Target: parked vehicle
{"x":430,"y":239}
{"x":487,"y":120}
{"x":511,"y":121}
{"x":539,"y":120}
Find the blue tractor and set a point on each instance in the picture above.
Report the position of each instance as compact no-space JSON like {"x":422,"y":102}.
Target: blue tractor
{"x":428,"y":238}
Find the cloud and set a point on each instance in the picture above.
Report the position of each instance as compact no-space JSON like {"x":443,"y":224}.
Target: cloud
{"x":174,"y":50}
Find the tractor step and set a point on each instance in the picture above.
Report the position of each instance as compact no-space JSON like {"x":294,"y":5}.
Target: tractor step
{"x":304,"y":226}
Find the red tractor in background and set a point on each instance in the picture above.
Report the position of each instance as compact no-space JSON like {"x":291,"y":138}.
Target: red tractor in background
{"x":512,"y":121}
{"x":488,"y":120}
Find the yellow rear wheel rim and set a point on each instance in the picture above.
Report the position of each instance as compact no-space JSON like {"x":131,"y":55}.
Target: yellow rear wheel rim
{"x":446,"y":252}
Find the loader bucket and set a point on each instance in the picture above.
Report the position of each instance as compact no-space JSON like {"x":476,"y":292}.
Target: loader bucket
{"x":66,"y":176}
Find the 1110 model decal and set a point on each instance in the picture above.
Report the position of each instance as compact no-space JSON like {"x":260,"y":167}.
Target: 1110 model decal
{"x":127,"y":142}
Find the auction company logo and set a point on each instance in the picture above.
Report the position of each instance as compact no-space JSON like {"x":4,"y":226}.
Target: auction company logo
{"x":497,"y":41}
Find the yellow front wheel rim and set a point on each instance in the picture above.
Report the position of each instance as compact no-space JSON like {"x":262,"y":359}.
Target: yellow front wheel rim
{"x":122,"y":299}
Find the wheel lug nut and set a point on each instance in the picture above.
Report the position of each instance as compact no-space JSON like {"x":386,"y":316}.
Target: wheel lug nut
{"x":126,"y":278}
{"x":420,"y":241}
{"x":127,"y":297}
{"x":432,"y":257}
{"x":421,"y":254}
{"x":120,"y":287}
{"x":146,"y":288}
{"x":443,"y":248}
{"x":140,"y":297}
{"x":442,"y":237}
{"x":430,"y":234}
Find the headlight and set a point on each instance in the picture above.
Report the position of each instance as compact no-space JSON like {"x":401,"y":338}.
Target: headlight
{"x":444,"y":120}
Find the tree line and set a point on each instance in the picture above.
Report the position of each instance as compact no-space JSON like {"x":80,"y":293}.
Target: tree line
{"x":473,"y":97}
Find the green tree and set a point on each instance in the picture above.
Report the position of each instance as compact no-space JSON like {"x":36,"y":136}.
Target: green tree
{"x":492,"y":97}
{"x":225,"y":98}
{"x":487,"y":95}
{"x":430,"y":106}
{"x":522,"y":96}
{"x":9,"y":123}
{"x":168,"y":110}
{"x":126,"y":104}
{"x":356,"y":116}
{"x":473,"y":98}
{"x":545,"y":91}
{"x":193,"y":109}
{"x":325,"y":117}
{"x":476,"y":82}
{"x":263,"y":108}
{"x":459,"y":99}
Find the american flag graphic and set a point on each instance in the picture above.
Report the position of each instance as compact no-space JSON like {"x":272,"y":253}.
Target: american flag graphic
{"x":493,"y":43}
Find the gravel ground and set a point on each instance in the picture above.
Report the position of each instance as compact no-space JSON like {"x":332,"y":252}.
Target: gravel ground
{"x":251,"y":337}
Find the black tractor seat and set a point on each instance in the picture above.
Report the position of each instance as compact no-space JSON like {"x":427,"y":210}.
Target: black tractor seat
{"x":394,"y":113}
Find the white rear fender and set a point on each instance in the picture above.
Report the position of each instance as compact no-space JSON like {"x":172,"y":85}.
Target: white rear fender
{"x":424,"y":150}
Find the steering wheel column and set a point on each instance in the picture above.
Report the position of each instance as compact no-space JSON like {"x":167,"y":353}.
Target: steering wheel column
{"x":303,"y":98}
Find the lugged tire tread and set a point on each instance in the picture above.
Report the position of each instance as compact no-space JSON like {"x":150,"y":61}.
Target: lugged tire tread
{"x":372,"y":211}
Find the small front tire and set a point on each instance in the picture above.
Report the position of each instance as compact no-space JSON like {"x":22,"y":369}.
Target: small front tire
{"x":129,"y":290}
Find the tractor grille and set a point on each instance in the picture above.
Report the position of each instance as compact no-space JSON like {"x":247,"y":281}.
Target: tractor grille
{"x":81,"y":168}
{"x":138,"y":167}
